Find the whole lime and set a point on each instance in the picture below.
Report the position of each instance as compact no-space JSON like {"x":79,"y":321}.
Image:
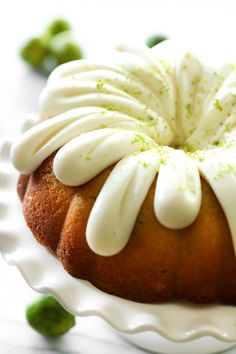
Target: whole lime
{"x":48,"y":317}
{"x":155,"y":39}
{"x":34,"y":51}
{"x":65,"y":48}
{"x":57,"y":26}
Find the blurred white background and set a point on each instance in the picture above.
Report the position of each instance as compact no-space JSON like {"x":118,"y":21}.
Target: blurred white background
{"x":98,"y":26}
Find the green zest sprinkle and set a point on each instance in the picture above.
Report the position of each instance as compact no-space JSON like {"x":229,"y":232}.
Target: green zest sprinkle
{"x":110,"y":108}
{"x":187,"y":147}
{"x":225,"y":169}
{"x":196,"y":80}
{"x":146,"y":144}
{"x":224,"y":143}
{"x":166,"y":66}
{"x":188,"y":107}
{"x":218,"y":105}
{"x":197,"y":155}
{"x":100,"y":84}
{"x":234,"y":99}
{"x":163,"y":160}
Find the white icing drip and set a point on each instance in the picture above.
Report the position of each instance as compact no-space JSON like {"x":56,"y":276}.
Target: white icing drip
{"x":188,"y":73}
{"x":221,"y":175}
{"x":72,"y":68}
{"x":42,"y":140}
{"x":121,"y":198}
{"x":86,"y":156}
{"x":178,"y":191}
{"x":218,"y":107}
{"x":157,"y":79}
{"x":125,"y":109}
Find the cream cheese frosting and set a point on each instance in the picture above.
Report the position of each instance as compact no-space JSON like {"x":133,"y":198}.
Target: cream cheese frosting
{"x":151,"y":114}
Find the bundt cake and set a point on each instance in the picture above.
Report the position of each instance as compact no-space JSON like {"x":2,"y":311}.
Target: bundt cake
{"x":131,"y":181}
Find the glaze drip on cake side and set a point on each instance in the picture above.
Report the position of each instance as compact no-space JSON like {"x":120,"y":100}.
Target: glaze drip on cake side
{"x":149,"y":115}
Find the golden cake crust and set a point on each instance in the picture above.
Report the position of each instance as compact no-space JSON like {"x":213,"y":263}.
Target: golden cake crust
{"x":158,"y":264}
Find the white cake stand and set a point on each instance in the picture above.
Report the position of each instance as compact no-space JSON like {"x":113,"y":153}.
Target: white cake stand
{"x":167,"y":328}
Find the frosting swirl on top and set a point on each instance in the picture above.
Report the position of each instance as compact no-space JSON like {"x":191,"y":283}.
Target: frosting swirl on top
{"x":150,"y":114}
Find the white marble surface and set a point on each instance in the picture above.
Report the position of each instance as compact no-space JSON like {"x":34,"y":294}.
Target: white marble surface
{"x":90,"y":335}
{"x":19,"y":89}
